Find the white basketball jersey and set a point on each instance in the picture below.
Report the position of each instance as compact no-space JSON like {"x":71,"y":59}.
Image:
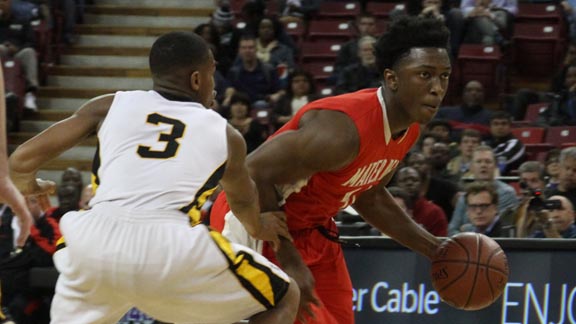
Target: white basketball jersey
{"x":159,"y":154}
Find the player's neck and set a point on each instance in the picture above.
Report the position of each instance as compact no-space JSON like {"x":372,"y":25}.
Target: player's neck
{"x":174,"y":94}
{"x":398,"y":120}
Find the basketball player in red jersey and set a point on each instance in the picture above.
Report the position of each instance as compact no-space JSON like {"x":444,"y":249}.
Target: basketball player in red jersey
{"x":342,"y":151}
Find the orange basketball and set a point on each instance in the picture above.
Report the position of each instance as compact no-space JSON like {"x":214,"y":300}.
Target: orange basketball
{"x":469,"y":271}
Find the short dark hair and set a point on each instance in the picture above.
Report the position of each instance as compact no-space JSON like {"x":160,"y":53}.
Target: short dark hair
{"x":304,"y":73}
{"x":365,"y":14}
{"x":469,"y":132}
{"x":406,"y":33}
{"x":501,"y":114}
{"x":439,"y":122}
{"x":477,"y":187}
{"x":241,"y":97}
{"x":175,"y":51}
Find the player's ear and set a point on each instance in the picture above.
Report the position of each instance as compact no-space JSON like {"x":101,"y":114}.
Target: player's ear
{"x":195,"y":80}
{"x":390,"y":79}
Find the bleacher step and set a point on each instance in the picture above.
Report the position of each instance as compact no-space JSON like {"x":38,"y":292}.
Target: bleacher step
{"x":70,"y":104}
{"x":162,"y":3}
{"x":97,"y":61}
{"x":90,"y":29}
{"x":59,"y":92}
{"x":49,"y":115}
{"x":21,"y":137}
{"x":102,"y":71}
{"x":145,"y":21}
{"x":97,"y":82}
{"x":116,"y":41}
{"x":100,"y":50}
{"x":148,"y":11}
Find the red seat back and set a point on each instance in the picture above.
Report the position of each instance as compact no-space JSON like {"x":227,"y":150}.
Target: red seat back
{"x":529,"y":135}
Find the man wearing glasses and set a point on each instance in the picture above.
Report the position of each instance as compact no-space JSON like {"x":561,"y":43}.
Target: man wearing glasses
{"x":482,"y":210}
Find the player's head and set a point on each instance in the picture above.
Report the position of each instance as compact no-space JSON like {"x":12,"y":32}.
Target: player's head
{"x":182,"y":62}
{"x":413,"y":59}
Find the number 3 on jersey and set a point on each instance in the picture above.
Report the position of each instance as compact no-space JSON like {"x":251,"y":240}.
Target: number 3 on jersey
{"x":170,"y":138}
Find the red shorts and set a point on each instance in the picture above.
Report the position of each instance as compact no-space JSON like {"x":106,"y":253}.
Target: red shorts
{"x":325,"y":260}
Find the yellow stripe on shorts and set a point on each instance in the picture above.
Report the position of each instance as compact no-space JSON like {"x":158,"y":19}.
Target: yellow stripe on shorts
{"x":264,"y":285}
{"x":60,"y":244}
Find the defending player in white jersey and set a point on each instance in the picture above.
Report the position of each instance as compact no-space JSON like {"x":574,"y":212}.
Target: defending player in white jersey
{"x":161,"y":153}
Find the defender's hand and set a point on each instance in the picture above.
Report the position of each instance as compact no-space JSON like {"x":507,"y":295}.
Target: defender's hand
{"x":273,"y":225}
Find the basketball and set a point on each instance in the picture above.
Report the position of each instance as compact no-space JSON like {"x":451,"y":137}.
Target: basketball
{"x":469,"y":271}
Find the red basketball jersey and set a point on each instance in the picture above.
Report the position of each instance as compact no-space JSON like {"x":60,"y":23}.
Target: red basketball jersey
{"x":313,"y":201}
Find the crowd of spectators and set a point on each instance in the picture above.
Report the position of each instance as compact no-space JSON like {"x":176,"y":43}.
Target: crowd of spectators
{"x":31,"y":34}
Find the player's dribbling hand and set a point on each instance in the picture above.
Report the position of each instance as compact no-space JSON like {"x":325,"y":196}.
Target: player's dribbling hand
{"x":273,"y":225}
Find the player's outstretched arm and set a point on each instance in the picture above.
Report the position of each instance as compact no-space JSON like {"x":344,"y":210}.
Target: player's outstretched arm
{"x":325,"y":141}
{"x":242,"y":194}
{"x":8,"y":192}
{"x":378,"y":208}
{"x":49,"y":144}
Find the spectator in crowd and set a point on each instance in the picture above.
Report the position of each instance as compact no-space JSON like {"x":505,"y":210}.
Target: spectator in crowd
{"x":508,"y":150}
{"x":365,"y":24}
{"x":441,"y":10}
{"x":26,"y":304}
{"x":222,"y":54}
{"x":554,"y":221}
{"x":363,"y":74}
{"x":482,"y":210}
{"x":558,"y":93}
{"x":270,"y":50}
{"x":427,"y":140}
{"x":569,"y":9}
{"x":68,"y":200}
{"x":567,"y":177}
{"x":488,"y":21}
{"x":298,"y":10}
{"x":440,"y":191}
{"x":401,"y":197}
{"x":562,"y":109}
{"x":6,"y":232}
{"x":558,"y":222}
{"x":426,"y":213}
{"x":73,"y":11}
{"x":441,"y":128}
{"x":552,"y":168}
{"x":252,"y":13}
{"x":252,"y":76}
{"x":531,"y":175}
{"x":483,"y":166}
{"x":300,"y":91}
{"x":472,"y":113}
{"x":459,"y":166}
{"x":72,"y":176}
{"x":222,"y":19}
{"x":439,"y":158}
{"x":253,"y":132}
{"x":17,"y":41}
